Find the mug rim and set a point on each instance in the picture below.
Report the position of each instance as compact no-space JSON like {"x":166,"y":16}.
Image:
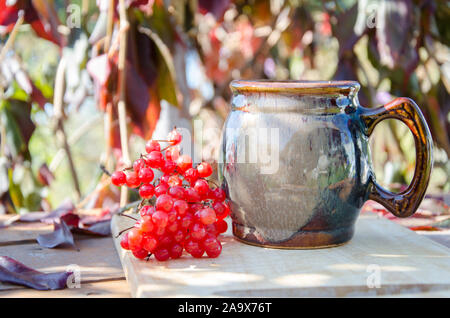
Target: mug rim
{"x":295,"y":86}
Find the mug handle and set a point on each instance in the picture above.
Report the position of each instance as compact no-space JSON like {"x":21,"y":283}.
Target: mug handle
{"x":405,"y":203}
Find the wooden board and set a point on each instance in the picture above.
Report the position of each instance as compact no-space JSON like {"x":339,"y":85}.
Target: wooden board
{"x":401,"y":261}
{"x":101,"y":272}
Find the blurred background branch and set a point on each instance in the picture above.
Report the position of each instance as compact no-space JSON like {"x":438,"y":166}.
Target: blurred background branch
{"x":172,"y":63}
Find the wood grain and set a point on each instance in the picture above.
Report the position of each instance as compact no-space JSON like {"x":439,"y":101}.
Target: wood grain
{"x":409,"y":265}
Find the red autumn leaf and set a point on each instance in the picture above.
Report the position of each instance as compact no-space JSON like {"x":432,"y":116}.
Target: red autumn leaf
{"x":424,"y":228}
{"x":99,"y":225}
{"x":12,"y":70}
{"x":49,"y":217}
{"x":215,"y":7}
{"x":102,"y":228}
{"x":60,"y":237}
{"x":14,"y":272}
{"x":45,"y":176}
{"x":137,"y":97}
{"x":71,"y":219}
{"x":99,"y":68}
{"x":41,"y":15}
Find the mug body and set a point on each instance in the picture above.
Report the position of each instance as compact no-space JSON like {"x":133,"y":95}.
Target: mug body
{"x":295,"y":163}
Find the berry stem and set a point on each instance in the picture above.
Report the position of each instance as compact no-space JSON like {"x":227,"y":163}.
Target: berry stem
{"x":164,"y":149}
{"x":121,"y":232}
{"x":105,"y":171}
{"x":128,"y":216}
{"x":212,"y":182}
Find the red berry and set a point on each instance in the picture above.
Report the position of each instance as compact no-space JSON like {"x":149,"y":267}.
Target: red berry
{"x":140,"y":253}
{"x":201,"y":186}
{"x":198,"y":232}
{"x":198,"y":253}
{"x":169,"y":166}
{"x":219,"y":194}
{"x":191,"y":195}
{"x":191,"y":246}
{"x":207,"y":216}
{"x":221,"y":209}
{"x":134,"y":239}
{"x":221,"y":226}
{"x":138,"y":165}
{"x":165,"y":179}
{"x":177,"y":192}
{"x":212,"y":229}
{"x":178,"y":236}
{"x":191,"y":175}
{"x":165,"y":241}
{"x":174,"y":137}
{"x":158,"y":231}
{"x":172,"y":216}
{"x":181,"y":207}
{"x":118,"y":178}
{"x":146,"y":224}
{"x":204,"y":170}
{"x":132,"y":180}
{"x":149,"y":243}
{"x":146,"y":191}
{"x":174,"y":181}
{"x":164,"y":202}
{"x":173,"y":227}
{"x":212,"y":247}
{"x":124,"y":242}
{"x":152,"y":145}
{"x":173,"y":153}
{"x":176,"y":251}
{"x":184,"y":162}
{"x":161,"y":189}
{"x":155,"y":159}
{"x":194,"y":207}
{"x":187,"y":221}
{"x":146,"y":175}
{"x":147,"y":210}
{"x":160,"y":219}
{"x":162,"y":254}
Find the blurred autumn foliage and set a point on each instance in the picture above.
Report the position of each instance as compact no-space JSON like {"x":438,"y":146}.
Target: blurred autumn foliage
{"x":87,"y":81}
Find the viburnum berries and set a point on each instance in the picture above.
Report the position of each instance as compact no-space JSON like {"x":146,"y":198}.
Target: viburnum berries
{"x":179,"y":211}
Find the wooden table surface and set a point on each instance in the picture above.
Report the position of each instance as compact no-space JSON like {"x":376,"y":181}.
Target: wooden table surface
{"x":101,"y":271}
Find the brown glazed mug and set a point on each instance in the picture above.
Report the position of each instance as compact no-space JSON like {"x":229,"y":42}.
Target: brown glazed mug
{"x":296,"y":164}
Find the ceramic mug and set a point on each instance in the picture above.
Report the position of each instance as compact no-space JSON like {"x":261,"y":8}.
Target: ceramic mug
{"x":296,"y":164}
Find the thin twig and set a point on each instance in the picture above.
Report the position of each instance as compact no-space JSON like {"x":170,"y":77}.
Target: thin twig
{"x":58,"y":115}
{"x":12,"y":36}
{"x":73,"y":139}
{"x":121,"y":106}
{"x":109,"y":25}
{"x":124,"y":230}
{"x":128,"y":216}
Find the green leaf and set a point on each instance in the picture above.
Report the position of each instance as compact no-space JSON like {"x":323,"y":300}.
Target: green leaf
{"x":166,"y":85}
{"x":14,"y":141}
{"x":15,"y":116}
{"x":14,"y":192}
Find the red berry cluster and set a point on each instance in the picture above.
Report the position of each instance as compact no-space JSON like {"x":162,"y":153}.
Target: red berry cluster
{"x":187,"y":214}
